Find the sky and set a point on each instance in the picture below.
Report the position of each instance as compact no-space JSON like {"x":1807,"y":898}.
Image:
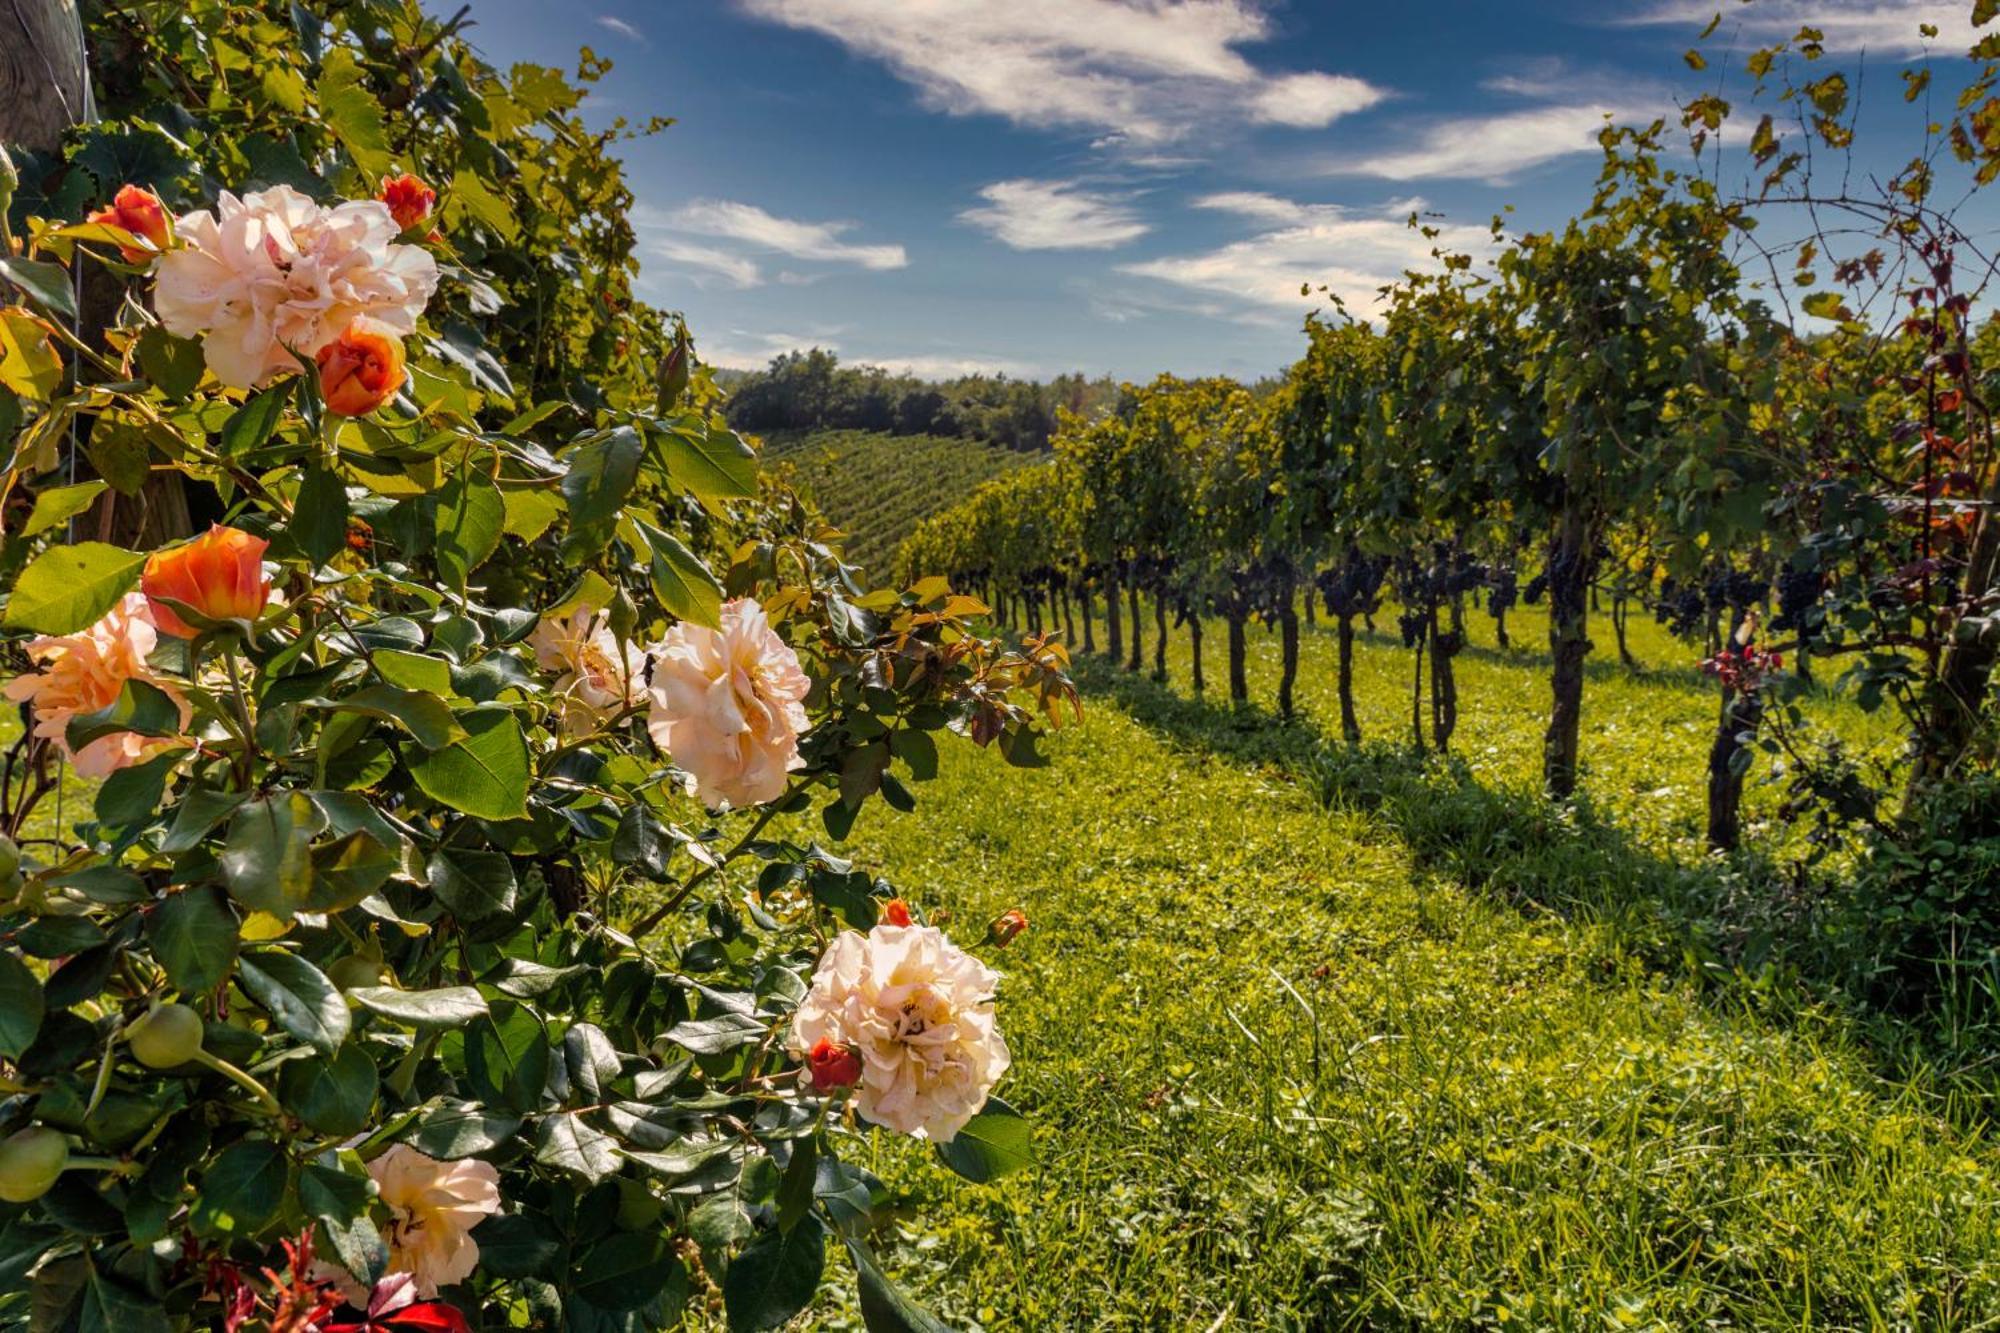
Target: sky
{"x":1126,"y":187}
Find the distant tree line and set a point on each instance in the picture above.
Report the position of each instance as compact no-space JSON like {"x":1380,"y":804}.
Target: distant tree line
{"x":813,"y":391}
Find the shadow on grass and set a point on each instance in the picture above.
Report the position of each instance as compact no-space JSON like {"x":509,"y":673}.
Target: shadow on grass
{"x":1751,"y":936}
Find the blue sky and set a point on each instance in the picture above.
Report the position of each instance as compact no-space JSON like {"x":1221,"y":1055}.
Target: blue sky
{"x":1121,"y":186}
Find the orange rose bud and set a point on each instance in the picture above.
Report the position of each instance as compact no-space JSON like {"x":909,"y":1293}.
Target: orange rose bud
{"x":896,"y":912}
{"x":361,"y":369}
{"x":1006,"y":926}
{"x":219,"y":574}
{"x":833,"y":1067}
{"x":410,"y":200}
{"x":139,"y":211}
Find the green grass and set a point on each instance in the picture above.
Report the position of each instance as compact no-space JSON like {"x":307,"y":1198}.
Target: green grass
{"x":1318,"y":1048}
{"x":878,"y":487}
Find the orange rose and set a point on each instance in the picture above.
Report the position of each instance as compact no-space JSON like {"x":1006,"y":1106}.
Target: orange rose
{"x":1006,"y":926}
{"x":361,"y":369}
{"x":139,"y":211}
{"x":219,"y":574}
{"x":409,"y":199}
{"x":896,"y":912}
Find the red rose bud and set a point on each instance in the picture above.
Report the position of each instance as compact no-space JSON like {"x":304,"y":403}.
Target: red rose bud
{"x":139,"y":211}
{"x":896,"y":912}
{"x":410,"y":200}
{"x":833,"y":1067}
{"x":361,"y":369}
{"x":1006,"y":926}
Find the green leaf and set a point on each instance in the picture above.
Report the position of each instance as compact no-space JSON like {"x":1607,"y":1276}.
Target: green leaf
{"x":415,"y":671}
{"x":774,"y":1277}
{"x":795,"y":1188}
{"x":194,"y":936}
{"x":507,"y":1057}
{"x":199,"y":810}
{"x":486,"y":774}
{"x":61,"y":504}
{"x":21,"y":1005}
{"x":112,"y":1307}
{"x":333,"y":1095}
{"x":174,"y":365}
{"x":241,"y":1190}
{"x":319,"y":515}
{"x":641,"y":842}
{"x":425,"y":716}
{"x":69,"y":588}
{"x":474,"y":885}
{"x":682,"y":583}
{"x":140,"y":707}
{"x":626,"y":1270}
{"x":996,"y":1142}
{"x":47,"y":285}
{"x":884,"y":1307}
{"x":349,"y":869}
{"x":129,"y":796}
{"x":601,"y":473}
{"x":339,"y":1201}
{"x":712,"y":464}
{"x":446,"y":1007}
{"x":266,"y":863}
{"x":567,"y":1144}
{"x":298,"y":997}
{"x":714,"y":1036}
{"x":250,"y":425}
{"x":352,"y":113}
{"x":470,"y":519}
{"x":453,"y":1130}
{"x":516,"y":1245}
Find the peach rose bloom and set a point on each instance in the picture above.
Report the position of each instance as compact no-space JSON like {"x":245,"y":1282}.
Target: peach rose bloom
{"x":728,"y":705}
{"x":272,"y":277}
{"x":596,"y":678}
{"x":220,"y":574}
{"x":82,"y":673}
{"x":361,"y":369}
{"x":918,"y":1010}
{"x":139,"y":211}
{"x":434,"y":1206}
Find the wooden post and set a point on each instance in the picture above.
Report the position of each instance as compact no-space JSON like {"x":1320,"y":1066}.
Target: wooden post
{"x":44,"y":82}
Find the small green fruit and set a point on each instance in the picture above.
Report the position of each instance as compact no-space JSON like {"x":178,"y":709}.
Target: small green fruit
{"x":169,"y":1035}
{"x":10,"y":860}
{"x":30,"y":1161}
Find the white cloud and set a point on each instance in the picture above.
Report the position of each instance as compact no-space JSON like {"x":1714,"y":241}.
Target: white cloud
{"x":944,"y":366}
{"x":1151,"y":69}
{"x":1887,"y":27}
{"x":1491,"y":148}
{"x":1053,"y":215}
{"x":1352,"y":252}
{"x":739,"y":270}
{"x":740,"y":349}
{"x":753,"y":227}
{"x":612,"y":23}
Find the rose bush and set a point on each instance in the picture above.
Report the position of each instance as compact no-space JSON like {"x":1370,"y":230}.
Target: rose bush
{"x":446,"y":945}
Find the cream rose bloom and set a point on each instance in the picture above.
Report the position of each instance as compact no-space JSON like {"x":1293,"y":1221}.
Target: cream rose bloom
{"x":84,"y":672}
{"x":435,"y":1205}
{"x":728,"y":705}
{"x":596,"y":677}
{"x":919,"y":1012}
{"x":273,"y":273}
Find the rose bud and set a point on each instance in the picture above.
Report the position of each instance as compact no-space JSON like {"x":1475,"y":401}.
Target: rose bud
{"x":833,"y":1067}
{"x":139,"y":211}
{"x":1006,"y":926}
{"x":219,"y":574}
{"x":361,"y":369}
{"x":896,"y":912}
{"x":410,"y":200}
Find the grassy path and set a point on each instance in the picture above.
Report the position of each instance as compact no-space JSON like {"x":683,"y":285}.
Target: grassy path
{"x":1290,"y":1076}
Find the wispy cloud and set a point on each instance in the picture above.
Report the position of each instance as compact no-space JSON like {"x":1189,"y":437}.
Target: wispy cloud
{"x":630,"y":32}
{"x":753,"y":227}
{"x":740,"y":349}
{"x":1493,"y":148}
{"x":1053,"y":215}
{"x":1151,"y":69}
{"x":1890,"y":27}
{"x":1352,"y":252}
{"x":738,"y":270}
